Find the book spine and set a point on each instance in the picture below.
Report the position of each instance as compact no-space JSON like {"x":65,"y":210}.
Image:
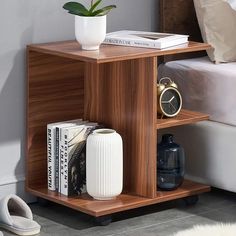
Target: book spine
{"x":131,"y":43}
{"x":51,"y":158}
{"x":64,"y":162}
{"x":57,"y":154}
{"x":61,"y":158}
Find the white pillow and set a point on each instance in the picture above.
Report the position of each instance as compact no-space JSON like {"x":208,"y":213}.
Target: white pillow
{"x":232,"y":3}
{"x":217,"y":21}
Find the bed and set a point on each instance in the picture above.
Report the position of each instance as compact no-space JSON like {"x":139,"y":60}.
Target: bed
{"x":205,"y":87}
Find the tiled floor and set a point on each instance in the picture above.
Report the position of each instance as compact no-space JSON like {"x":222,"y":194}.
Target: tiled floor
{"x":159,"y":220}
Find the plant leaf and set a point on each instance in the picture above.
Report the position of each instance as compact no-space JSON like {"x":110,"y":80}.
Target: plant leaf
{"x":76,"y":13}
{"x":103,"y":11}
{"x":76,"y":8}
{"x":94,"y":6}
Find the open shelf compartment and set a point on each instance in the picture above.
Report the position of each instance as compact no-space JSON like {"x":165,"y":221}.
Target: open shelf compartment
{"x":86,"y":204}
{"x":183,"y":118}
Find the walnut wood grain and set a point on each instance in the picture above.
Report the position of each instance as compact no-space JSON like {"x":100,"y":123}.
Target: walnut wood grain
{"x":115,"y":86}
{"x":183,"y":118}
{"x":123,"y":202}
{"x":122,"y":95}
{"x":55,"y":93}
{"x":111,"y":53}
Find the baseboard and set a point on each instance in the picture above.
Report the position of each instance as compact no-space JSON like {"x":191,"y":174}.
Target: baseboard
{"x":11,"y":179}
{"x":15,"y":185}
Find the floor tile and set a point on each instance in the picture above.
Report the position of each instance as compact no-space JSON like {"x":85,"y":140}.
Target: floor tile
{"x":169,"y":227}
{"x":218,"y":199}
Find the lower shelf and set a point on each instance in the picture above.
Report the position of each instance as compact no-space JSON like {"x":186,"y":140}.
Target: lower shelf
{"x":86,"y":204}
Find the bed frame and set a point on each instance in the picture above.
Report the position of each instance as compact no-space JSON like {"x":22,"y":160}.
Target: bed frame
{"x":178,"y":16}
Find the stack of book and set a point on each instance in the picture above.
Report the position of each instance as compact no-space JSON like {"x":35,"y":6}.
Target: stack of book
{"x":66,"y":157}
{"x":145,"y":39}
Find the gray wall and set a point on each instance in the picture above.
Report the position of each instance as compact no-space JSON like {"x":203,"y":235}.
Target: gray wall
{"x":24,"y":22}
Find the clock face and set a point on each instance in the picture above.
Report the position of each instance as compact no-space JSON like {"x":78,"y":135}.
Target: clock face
{"x":170,"y":102}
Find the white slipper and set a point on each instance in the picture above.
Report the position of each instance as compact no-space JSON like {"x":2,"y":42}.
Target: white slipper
{"x":16,"y":216}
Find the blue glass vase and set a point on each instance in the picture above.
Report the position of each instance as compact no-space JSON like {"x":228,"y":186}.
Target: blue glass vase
{"x":170,"y":163}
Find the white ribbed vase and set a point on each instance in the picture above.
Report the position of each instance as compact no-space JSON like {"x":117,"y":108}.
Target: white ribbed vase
{"x":104,"y":164}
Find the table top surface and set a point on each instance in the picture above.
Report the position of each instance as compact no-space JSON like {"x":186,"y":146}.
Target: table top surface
{"x":110,"y":53}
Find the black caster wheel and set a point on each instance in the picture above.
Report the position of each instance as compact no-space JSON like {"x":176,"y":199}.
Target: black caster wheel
{"x":42,"y":202}
{"x":191,"y":200}
{"x":103,"y":220}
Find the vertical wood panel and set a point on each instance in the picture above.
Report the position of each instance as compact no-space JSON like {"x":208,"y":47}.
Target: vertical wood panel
{"x":122,"y":95}
{"x":55,"y":93}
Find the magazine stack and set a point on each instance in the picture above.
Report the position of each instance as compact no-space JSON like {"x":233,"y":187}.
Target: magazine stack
{"x":145,"y":39}
{"x":66,"y":155}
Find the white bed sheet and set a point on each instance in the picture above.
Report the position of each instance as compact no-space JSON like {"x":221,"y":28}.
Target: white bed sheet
{"x":205,"y":86}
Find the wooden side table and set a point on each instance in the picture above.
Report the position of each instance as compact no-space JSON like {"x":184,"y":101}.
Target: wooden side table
{"x":115,"y":86}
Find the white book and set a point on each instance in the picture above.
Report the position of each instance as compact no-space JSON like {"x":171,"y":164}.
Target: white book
{"x":60,"y":150}
{"x":145,"y":39}
{"x":73,"y":163}
{"x":51,"y":151}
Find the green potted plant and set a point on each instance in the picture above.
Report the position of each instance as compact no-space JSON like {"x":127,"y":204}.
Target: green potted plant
{"x":90,"y":23}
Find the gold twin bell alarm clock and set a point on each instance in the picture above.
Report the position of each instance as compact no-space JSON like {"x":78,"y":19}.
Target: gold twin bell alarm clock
{"x":169,"y":100}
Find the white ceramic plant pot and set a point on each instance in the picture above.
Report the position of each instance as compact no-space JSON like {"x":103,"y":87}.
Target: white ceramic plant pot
{"x":104,"y":164}
{"x":90,"y":32}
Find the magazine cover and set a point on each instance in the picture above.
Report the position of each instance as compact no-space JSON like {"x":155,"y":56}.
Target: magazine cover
{"x":73,"y":163}
{"x":59,"y":150}
{"x":145,"y":39}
